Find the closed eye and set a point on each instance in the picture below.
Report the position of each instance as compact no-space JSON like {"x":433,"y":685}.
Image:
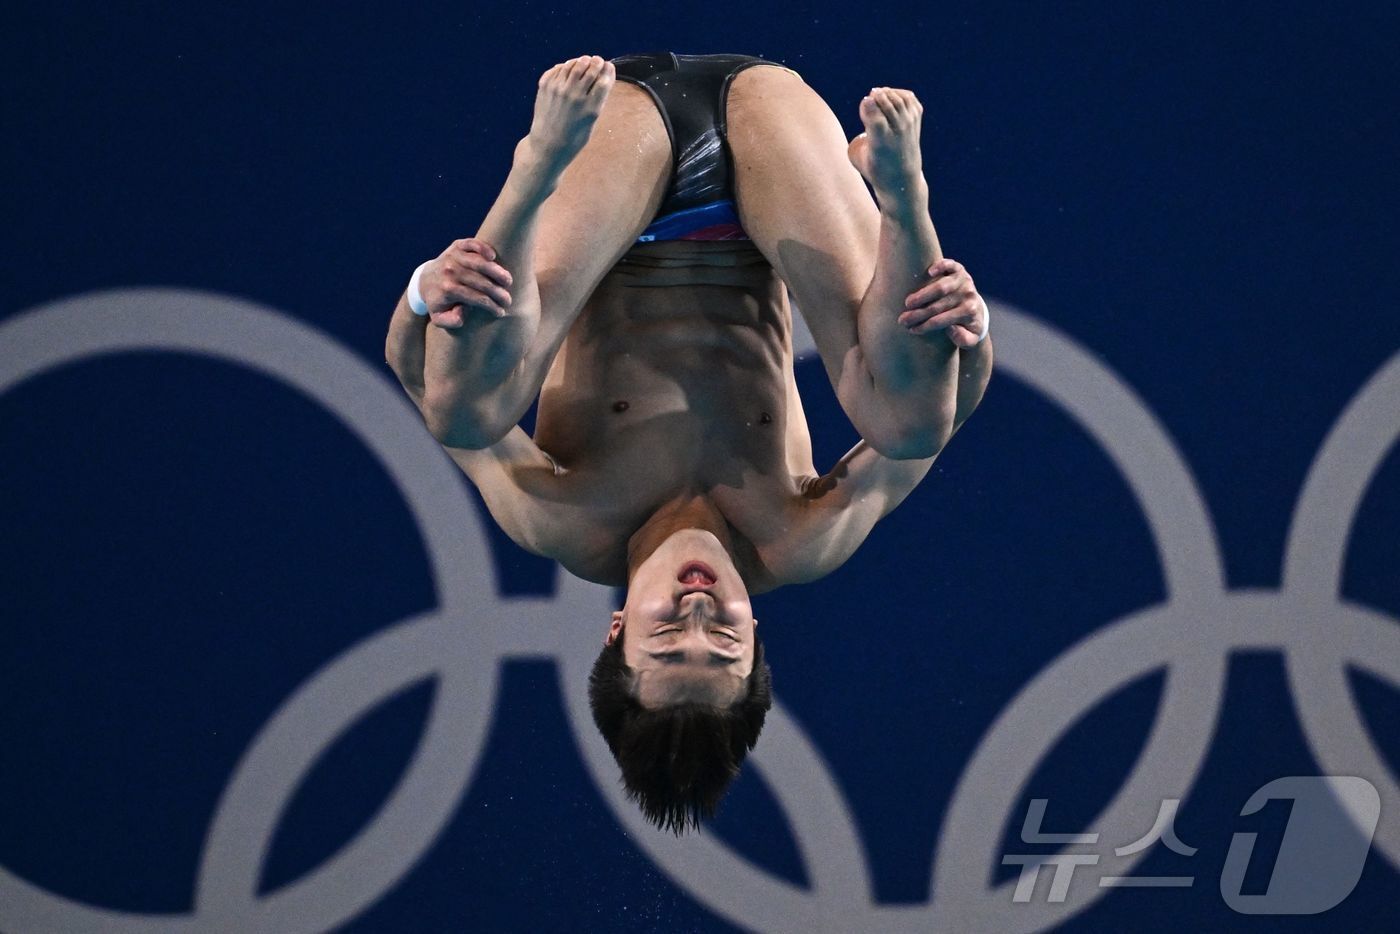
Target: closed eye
{"x":677,"y":657}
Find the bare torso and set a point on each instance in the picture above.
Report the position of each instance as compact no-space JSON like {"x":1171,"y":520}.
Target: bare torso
{"x":676,"y":380}
{"x":666,"y":389}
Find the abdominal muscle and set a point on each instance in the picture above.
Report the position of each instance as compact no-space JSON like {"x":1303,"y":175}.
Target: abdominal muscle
{"x":674,"y":381}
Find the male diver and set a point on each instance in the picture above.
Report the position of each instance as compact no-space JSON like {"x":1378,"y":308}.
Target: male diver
{"x":634,"y":274}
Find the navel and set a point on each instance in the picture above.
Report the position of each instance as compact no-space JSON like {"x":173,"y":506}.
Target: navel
{"x":620,"y":405}
{"x":764,"y":418}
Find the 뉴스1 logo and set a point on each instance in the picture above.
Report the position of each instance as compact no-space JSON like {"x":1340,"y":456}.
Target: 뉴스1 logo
{"x":1317,"y":865}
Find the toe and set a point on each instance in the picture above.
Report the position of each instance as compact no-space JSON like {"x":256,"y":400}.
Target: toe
{"x":606,"y":75}
{"x":594,"y":74}
{"x":911,"y":105}
{"x":882,"y":98}
{"x":871,"y":114}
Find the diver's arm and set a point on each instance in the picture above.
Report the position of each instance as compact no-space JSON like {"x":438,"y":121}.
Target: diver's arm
{"x":403,"y":348}
{"x":543,"y":509}
{"x":974,"y":372}
{"x":835,"y":512}
{"x":519,"y":483}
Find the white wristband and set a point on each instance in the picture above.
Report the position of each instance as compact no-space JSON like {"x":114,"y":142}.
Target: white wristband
{"x":415,"y":298}
{"x":988,"y":329}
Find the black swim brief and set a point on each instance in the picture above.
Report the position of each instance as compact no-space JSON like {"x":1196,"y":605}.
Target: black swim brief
{"x":691,"y":92}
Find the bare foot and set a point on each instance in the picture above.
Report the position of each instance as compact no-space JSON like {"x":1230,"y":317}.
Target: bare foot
{"x":887,"y":154}
{"x":570,"y":98}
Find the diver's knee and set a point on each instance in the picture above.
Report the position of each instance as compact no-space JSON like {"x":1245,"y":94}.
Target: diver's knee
{"x":913,"y":438}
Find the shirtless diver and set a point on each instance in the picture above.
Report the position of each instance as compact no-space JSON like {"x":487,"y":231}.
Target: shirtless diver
{"x":634,"y":275}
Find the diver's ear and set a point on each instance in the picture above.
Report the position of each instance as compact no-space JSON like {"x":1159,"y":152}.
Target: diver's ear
{"x":614,"y":629}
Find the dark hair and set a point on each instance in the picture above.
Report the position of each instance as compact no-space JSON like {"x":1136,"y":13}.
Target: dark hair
{"x":677,"y":761}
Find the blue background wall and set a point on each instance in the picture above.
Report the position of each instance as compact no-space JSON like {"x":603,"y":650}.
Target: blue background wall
{"x":1203,"y":196}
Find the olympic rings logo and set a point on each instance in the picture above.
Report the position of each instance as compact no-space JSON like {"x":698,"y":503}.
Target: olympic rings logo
{"x":473,"y":631}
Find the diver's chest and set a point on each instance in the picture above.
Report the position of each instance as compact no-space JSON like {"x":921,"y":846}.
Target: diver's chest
{"x":666,"y":451}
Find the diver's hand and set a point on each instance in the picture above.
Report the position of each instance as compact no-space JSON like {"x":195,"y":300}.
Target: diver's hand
{"x":948,"y":302}
{"x":464,"y":278}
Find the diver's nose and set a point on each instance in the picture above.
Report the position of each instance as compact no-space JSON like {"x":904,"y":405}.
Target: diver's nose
{"x":698,"y":600}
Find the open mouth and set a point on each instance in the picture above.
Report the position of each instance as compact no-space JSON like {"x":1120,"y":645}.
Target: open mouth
{"x":697,"y":574}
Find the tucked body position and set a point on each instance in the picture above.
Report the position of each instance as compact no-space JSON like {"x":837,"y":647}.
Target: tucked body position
{"x":634,"y":276}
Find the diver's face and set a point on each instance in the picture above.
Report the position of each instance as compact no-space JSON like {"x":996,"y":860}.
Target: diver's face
{"x":689,"y":627}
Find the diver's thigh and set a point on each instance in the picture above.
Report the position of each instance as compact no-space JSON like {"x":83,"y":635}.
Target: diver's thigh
{"x":605,"y":198}
{"x":801,"y":201}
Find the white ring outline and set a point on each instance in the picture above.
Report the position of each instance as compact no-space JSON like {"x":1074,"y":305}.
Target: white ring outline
{"x":243,"y":333}
{"x":1183,"y":582}
{"x":1315,"y":556}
